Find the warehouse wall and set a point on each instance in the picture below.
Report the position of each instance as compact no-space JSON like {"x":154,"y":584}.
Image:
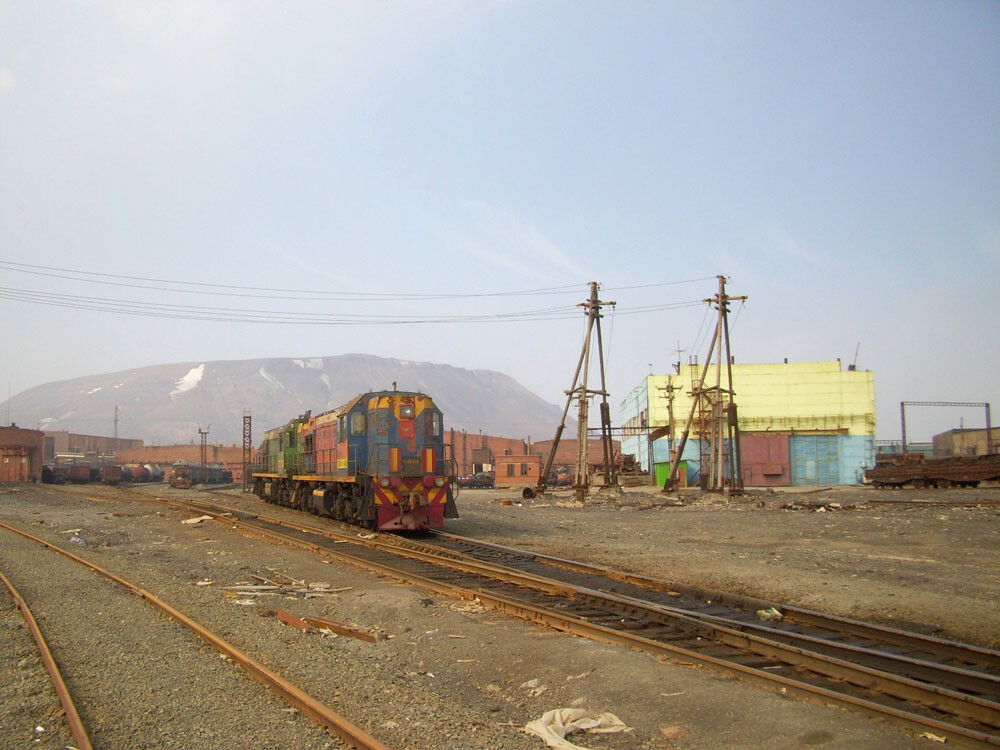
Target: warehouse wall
{"x":793,"y":396}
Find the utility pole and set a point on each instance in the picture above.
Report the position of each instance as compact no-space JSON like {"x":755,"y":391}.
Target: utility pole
{"x":717,"y":417}
{"x":247,"y":450}
{"x":116,"y":428}
{"x":579,"y":389}
{"x":204,"y":449}
{"x":667,"y":392}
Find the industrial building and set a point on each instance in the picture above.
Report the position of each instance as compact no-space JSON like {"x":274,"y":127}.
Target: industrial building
{"x":60,"y":443}
{"x":801,"y":423}
{"x":21,"y":454}
{"x":962,"y":442}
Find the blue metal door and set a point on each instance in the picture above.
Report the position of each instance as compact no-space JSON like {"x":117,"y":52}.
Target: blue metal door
{"x":815,"y":460}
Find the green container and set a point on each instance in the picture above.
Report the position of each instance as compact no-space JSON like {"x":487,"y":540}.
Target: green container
{"x":663,"y":472}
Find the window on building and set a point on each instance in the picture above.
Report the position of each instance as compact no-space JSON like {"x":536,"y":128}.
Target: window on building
{"x":510,"y":470}
{"x":524,"y":470}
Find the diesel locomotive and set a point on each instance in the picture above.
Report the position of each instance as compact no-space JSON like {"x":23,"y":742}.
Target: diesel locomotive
{"x":378,"y":461}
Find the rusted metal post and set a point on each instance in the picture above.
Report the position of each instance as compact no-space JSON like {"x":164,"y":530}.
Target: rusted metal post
{"x":902,"y":422}
{"x":204,"y":450}
{"x":247,"y":450}
{"x":989,"y":432}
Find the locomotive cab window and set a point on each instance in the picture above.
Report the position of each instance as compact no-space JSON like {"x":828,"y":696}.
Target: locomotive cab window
{"x":358,"y":423}
{"x":406,"y":411}
{"x":341,"y":429}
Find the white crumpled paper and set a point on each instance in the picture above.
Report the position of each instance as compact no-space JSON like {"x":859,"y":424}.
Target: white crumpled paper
{"x":554,"y":725}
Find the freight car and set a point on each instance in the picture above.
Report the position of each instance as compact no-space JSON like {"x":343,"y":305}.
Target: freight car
{"x":379,"y":461}
{"x":918,"y":470}
{"x":184,"y":474}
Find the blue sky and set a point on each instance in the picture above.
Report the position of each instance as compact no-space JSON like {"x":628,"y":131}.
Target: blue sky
{"x":840,"y":162}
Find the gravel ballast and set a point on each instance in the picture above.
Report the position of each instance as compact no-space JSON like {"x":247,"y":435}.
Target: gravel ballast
{"x":444,"y":674}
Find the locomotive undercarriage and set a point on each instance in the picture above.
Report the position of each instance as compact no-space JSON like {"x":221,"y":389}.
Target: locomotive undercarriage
{"x":342,"y":501}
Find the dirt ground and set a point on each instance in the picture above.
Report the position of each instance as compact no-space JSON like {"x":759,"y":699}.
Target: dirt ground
{"x":446,"y":674}
{"x":930,"y":568}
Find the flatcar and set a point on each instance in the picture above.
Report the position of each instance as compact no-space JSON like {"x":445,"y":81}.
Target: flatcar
{"x":917,"y":470}
{"x":378,"y":461}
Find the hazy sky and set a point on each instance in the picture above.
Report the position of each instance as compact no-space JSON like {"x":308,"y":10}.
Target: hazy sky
{"x":839,"y":161}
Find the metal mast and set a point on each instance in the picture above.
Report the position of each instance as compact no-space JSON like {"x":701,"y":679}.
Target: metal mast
{"x":579,"y":389}
{"x":247,"y":450}
{"x":204,"y":450}
{"x":716,"y":409}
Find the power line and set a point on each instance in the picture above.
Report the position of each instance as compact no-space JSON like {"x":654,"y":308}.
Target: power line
{"x":94,"y":277}
{"x":48,"y":271}
{"x":244,"y":315}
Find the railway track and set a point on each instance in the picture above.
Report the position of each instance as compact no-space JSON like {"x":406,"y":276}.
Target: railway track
{"x":66,"y":702}
{"x":330,"y":720}
{"x":948,"y":688}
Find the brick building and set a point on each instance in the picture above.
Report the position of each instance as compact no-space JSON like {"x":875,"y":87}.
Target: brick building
{"x":21,"y":454}
{"x":566,"y":453}
{"x":477,"y":452}
{"x":517,"y":470}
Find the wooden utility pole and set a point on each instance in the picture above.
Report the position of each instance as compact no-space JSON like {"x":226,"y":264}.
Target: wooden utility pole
{"x":579,"y":389}
{"x":720,"y":423}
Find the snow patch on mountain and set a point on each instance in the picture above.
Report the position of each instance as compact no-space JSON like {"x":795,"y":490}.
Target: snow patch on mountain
{"x":188,"y":382}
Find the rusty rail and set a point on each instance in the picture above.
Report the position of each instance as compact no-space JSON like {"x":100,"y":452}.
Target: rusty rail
{"x":76,"y":727}
{"x":330,"y":720}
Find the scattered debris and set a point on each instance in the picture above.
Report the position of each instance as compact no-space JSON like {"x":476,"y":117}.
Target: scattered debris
{"x":203,"y":583}
{"x":289,"y":619}
{"x":297,"y":590}
{"x":553,"y":726}
{"x":367,"y":536}
{"x":533,"y":688}
{"x":475,"y":605}
{"x":196,"y":521}
{"x":671,"y":695}
{"x":766,"y":615}
{"x":933,"y":737}
{"x":674,"y":731}
{"x":78,"y":540}
{"x":569,"y":504}
{"x":580,"y":676}
{"x":339,"y":628}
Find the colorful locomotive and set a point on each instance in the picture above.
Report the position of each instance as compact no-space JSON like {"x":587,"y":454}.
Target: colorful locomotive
{"x":378,"y":461}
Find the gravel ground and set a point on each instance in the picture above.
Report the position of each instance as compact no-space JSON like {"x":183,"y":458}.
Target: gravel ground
{"x":930,"y":568}
{"x":444,"y":674}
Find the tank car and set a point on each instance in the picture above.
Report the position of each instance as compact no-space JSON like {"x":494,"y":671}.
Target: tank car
{"x":379,"y":461}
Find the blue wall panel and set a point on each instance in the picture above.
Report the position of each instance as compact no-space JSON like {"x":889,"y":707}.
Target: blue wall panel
{"x":815,"y":460}
{"x":856,"y":453}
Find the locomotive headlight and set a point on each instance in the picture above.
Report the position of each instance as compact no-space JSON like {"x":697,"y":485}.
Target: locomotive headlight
{"x":384,"y":481}
{"x":395,"y":481}
{"x":439,"y":481}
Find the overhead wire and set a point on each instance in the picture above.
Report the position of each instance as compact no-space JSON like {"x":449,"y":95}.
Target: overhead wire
{"x":199,"y":312}
{"x":204,"y":287}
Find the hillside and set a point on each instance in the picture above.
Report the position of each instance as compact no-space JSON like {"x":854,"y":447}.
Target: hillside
{"x":165,"y":404}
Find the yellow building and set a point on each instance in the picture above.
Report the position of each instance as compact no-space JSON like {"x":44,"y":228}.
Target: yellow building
{"x":813,"y":420}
